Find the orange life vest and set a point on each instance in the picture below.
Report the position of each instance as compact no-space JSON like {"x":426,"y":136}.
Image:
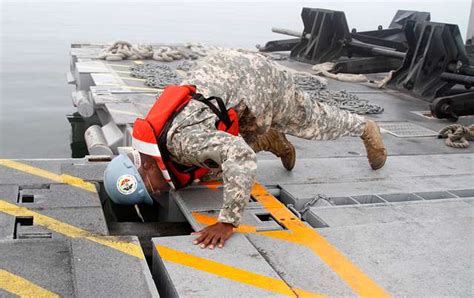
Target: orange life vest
{"x":149,"y":134}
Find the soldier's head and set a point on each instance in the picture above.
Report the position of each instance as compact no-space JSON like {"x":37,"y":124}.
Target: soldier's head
{"x":151,"y":174}
{"x":134,"y":178}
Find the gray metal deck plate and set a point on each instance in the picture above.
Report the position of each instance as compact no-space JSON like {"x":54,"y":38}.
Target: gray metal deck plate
{"x":92,"y":67}
{"x":81,"y":167}
{"x":429,"y":258}
{"x":76,"y":267}
{"x":298,"y":195}
{"x":410,"y":213}
{"x":201,"y":198}
{"x":178,"y":279}
{"x":406,"y":129}
{"x":52,"y":198}
{"x":123,"y":113}
{"x":89,"y":171}
{"x":201,"y":201}
{"x":356,"y":169}
{"x":46,"y":263}
{"x":53,"y":210}
{"x":300,"y":267}
{"x":104,"y":272}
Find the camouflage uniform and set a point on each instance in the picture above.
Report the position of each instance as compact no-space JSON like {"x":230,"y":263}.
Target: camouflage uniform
{"x":265,"y":97}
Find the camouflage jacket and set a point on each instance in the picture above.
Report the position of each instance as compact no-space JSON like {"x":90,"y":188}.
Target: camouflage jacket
{"x":246,"y":82}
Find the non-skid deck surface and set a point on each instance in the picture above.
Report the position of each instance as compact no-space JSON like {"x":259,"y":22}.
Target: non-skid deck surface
{"x":335,"y":227}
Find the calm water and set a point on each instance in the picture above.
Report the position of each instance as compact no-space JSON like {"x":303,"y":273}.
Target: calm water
{"x":35,"y":39}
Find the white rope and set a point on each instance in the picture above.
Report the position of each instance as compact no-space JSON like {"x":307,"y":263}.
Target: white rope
{"x":168,"y":54}
{"x":122,"y":50}
{"x":457,"y":135}
{"x":383,"y":82}
{"x":325,"y":68}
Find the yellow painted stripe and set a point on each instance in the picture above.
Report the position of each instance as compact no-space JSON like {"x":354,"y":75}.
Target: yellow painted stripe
{"x":229,"y":272}
{"x":209,"y":220}
{"x":310,"y":238}
{"x":138,"y":62}
{"x":299,"y":232}
{"x":71,"y":180}
{"x":72,"y":231}
{"x":213,"y":184}
{"x":111,"y":242}
{"x":17,"y":285}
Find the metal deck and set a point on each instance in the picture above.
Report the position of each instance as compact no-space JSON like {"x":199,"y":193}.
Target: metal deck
{"x":405,"y":230}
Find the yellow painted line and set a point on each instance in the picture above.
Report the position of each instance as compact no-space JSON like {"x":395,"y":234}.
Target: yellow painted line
{"x":138,"y":62}
{"x":72,"y":231}
{"x":213,"y":184}
{"x":136,"y":251}
{"x":298,"y":233}
{"x":301,"y":234}
{"x":22,"y":287}
{"x":63,"y":178}
{"x":230,"y":272}
{"x":209,"y":220}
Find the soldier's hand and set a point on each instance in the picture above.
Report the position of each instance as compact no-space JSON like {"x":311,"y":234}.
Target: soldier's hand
{"x":214,"y":235}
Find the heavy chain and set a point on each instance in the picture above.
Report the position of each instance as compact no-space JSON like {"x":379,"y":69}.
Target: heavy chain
{"x":346,"y":101}
{"x":316,"y":90}
{"x":156,"y":75}
{"x":185,"y":66}
{"x":308,"y":83}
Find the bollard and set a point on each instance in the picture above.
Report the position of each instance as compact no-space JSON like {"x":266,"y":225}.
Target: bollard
{"x":84,"y":104}
{"x":96,"y":142}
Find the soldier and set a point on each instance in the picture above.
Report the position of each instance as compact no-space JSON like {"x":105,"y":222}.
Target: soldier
{"x":268,"y":106}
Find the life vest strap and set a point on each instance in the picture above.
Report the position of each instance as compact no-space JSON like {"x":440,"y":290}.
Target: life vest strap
{"x":176,"y":169}
{"x":220,"y":111}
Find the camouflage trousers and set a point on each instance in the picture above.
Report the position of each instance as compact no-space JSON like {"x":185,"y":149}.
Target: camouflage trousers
{"x":295,"y":114}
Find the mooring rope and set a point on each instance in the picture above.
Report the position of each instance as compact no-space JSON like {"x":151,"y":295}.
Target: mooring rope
{"x":123,"y":50}
{"x":325,"y":68}
{"x":457,"y":135}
